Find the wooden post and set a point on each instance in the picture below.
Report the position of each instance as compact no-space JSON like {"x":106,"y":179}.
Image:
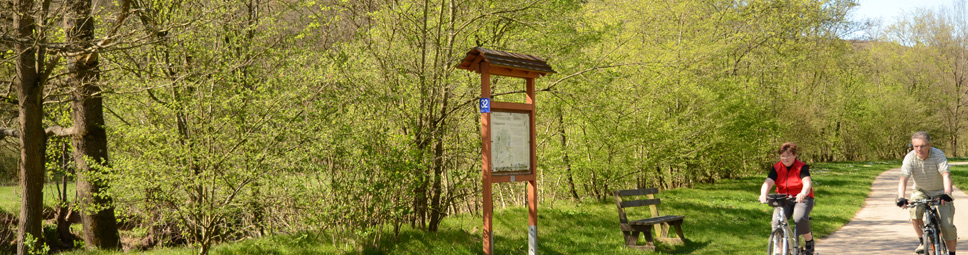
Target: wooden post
{"x":486,"y":160}
{"x":533,"y":183}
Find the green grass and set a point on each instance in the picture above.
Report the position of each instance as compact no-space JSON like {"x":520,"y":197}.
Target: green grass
{"x":10,"y":196}
{"x":959,"y":176}
{"x":721,"y":218}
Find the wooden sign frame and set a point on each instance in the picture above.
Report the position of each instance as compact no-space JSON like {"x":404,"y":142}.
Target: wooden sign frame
{"x":487,"y":62}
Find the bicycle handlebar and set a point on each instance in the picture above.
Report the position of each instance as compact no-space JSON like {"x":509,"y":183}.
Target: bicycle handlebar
{"x":775,"y":199}
{"x":925,"y":201}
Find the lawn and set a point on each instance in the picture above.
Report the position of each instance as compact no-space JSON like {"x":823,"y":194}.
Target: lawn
{"x":10,"y":197}
{"x":721,"y":218}
{"x":959,"y":176}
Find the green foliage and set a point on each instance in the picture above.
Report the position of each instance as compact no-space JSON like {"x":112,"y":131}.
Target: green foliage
{"x":229,"y":121}
{"x":928,"y":49}
{"x":35,"y":246}
{"x":693,"y":92}
{"x":203,"y":147}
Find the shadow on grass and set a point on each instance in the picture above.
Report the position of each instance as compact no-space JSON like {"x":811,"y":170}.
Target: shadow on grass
{"x":445,"y":241}
{"x":589,"y":229}
{"x":721,"y":218}
{"x":304,"y":243}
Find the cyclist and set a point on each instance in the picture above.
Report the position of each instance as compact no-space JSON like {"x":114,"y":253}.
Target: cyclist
{"x":792,"y":178}
{"x":929,"y":169}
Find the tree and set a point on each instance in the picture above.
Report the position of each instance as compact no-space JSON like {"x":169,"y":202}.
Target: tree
{"x":29,"y":81}
{"x":230,"y":111}
{"x":426,"y":97}
{"x":936,"y":45}
{"x":89,"y":137}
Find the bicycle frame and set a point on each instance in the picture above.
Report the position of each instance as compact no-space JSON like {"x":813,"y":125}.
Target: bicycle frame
{"x":791,"y":244}
{"x":934,"y":243}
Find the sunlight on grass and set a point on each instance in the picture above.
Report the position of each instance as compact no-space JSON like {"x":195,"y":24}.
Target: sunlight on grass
{"x":721,"y":218}
{"x":10,"y":196}
{"x":959,"y":176}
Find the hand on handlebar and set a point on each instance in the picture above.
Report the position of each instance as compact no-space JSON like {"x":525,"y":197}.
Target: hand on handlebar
{"x":801,"y":197}
{"x":902,"y":203}
{"x":945,"y":198}
{"x":762,"y":198}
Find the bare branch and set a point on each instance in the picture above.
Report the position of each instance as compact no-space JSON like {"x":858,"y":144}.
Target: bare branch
{"x":5,"y":132}
{"x":59,"y":131}
{"x":122,"y":16}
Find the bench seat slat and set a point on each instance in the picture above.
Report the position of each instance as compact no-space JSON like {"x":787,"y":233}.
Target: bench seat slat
{"x":657,"y":220}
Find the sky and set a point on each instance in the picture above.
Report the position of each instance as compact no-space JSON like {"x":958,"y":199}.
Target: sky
{"x":889,"y":10}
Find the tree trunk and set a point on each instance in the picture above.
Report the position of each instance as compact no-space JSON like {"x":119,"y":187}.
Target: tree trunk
{"x":564,"y":150}
{"x":420,"y":198}
{"x":436,"y":212}
{"x":64,"y":208}
{"x":30,"y":88}
{"x":90,"y":138}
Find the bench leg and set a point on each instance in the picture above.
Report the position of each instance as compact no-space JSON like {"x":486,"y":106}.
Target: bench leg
{"x":632,"y":240}
{"x":678,"y":228}
{"x":649,"y":241}
{"x":679,"y":232}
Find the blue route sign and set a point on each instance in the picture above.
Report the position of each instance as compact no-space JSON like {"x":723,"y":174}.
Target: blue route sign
{"x":485,"y":105}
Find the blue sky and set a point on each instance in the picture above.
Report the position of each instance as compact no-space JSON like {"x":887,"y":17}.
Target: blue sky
{"x":888,"y":10}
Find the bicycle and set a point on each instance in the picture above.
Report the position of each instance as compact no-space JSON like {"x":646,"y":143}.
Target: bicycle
{"x":931,"y":230}
{"x":783,"y":240}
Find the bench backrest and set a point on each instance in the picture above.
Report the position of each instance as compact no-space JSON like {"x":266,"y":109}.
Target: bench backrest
{"x":622,"y":204}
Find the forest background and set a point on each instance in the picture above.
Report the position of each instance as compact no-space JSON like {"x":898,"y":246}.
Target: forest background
{"x":233,"y":119}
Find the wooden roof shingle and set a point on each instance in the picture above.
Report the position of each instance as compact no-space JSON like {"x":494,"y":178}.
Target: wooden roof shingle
{"x":516,"y":64}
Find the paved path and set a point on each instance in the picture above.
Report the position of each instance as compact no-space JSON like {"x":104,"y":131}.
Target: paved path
{"x":882,"y":228}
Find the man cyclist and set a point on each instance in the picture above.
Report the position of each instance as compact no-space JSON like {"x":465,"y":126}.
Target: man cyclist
{"x":929,"y":169}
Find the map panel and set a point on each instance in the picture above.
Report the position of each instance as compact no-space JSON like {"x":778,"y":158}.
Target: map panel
{"x":510,"y":142}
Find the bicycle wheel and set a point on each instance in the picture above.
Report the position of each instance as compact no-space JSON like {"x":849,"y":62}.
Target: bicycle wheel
{"x":779,"y":243}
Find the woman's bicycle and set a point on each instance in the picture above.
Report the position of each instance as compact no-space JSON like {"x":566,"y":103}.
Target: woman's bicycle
{"x":933,"y":242}
{"x":783,"y":240}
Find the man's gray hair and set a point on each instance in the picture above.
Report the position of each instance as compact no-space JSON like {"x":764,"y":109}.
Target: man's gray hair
{"x":921,"y":135}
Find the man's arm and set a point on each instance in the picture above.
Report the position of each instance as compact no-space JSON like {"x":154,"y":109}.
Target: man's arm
{"x":945,"y":173}
{"x":946,"y":178}
{"x":901,"y":188}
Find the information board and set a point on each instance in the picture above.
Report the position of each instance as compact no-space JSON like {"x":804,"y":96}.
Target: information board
{"x":510,"y":141}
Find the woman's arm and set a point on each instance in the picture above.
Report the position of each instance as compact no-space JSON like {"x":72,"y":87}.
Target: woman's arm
{"x":807,"y":186}
{"x":767,"y":184}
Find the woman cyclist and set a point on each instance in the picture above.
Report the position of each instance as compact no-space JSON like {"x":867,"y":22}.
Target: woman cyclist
{"x":792,"y":178}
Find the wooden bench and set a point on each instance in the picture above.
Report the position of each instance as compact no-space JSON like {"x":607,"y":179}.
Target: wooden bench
{"x":661,"y":224}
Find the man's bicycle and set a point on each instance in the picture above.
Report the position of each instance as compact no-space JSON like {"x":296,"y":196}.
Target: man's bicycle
{"x":933,"y":242}
{"x":783,"y":240}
